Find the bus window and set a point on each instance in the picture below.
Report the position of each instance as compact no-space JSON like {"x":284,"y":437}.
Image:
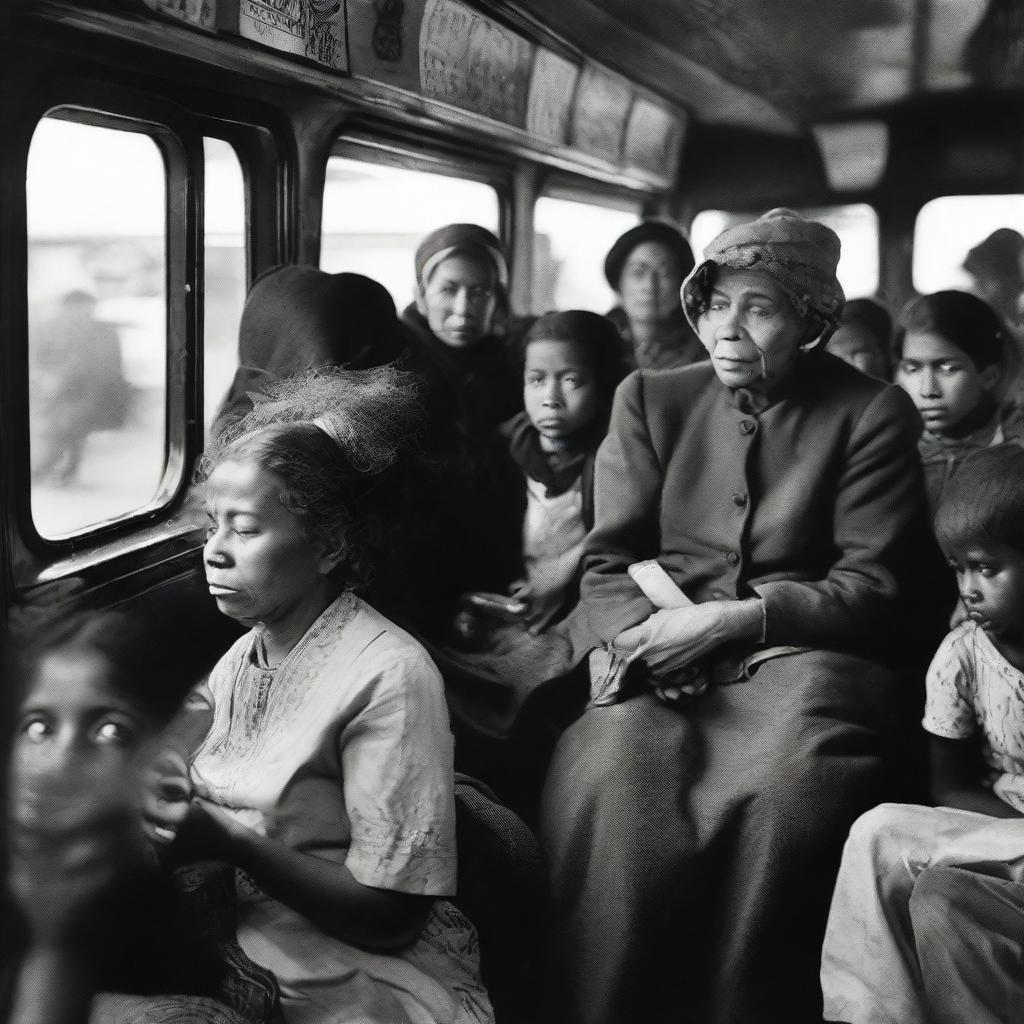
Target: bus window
{"x":225,"y":271}
{"x":96,"y":202}
{"x":571,"y":239}
{"x":375,"y":215}
{"x":856,"y":225}
{"x":948,"y":228}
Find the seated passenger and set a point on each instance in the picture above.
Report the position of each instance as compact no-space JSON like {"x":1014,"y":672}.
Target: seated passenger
{"x":461,"y":277}
{"x":572,"y":362}
{"x":952,"y":358}
{"x":326,"y":776}
{"x":875,"y":968}
{"x":864,"y":338}
{"x":100,"y":932}
{"x":693,"y":844}
{"x":298,"y":317}
{"x":646,"y":267}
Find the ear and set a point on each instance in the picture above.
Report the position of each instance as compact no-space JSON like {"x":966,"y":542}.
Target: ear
{"x":989,"y":377}
{"x":330,"y":556}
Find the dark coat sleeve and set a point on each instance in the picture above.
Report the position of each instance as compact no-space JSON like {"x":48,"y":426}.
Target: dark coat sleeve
{"x":878,"y":511}
{"x":627,"y":495}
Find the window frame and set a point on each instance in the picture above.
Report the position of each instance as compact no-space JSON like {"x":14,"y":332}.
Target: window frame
{"x":33,"y":558}
{"x":390,"y":148}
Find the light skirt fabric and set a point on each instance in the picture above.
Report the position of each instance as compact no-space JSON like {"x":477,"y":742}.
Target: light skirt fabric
{"x":870,"y":971}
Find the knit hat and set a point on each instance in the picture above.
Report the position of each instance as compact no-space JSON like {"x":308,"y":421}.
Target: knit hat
{"x":647,"y":231}
{"x":799,"y":255}
{"x":460,"y":238}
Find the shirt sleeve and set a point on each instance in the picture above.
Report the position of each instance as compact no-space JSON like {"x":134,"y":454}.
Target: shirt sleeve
{"x":398,"y":783}
{"x":949,"y":706}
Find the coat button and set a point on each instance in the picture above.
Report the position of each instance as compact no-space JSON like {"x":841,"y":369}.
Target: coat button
{"x":739,"y":499}
{"x":732,"y":558}
{"x":747,"y":427}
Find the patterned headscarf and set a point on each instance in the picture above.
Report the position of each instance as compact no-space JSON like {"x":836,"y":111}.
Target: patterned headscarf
{"x":799,"y":255}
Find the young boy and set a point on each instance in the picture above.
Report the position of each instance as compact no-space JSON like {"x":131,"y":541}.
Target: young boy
{"x":872,"y":960}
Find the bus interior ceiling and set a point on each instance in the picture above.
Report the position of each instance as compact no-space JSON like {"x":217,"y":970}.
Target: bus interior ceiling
{"x":888,"y":103}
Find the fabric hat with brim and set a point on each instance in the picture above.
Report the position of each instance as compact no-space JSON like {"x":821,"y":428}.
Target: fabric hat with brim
{"x":647,"y":231}
{"x":799,"y":255}
{"x":470,"y":239}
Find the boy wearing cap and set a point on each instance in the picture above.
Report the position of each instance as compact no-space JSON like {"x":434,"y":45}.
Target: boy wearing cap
{"x":645,"y":267}
{"x":693,"y":848}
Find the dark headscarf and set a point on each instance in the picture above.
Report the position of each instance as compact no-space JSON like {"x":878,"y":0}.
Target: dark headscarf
{"x":298,"y":317}
{"x":461,"y":238}
{"x":647,"y":231}
{"x":998,"y":257}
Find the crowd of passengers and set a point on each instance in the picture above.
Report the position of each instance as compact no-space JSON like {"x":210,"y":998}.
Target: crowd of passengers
{"x":636,"y":610}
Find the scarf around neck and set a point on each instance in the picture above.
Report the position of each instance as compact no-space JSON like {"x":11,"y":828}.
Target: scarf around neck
{"x":559,"y":470}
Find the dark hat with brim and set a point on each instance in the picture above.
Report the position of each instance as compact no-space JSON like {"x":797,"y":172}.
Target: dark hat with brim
{"x":470,"y":239}
{"x":647,"y":231}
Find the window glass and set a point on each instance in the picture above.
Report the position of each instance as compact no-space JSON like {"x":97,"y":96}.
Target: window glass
{"x":96,"y":201}
{"x":225,"y":271}
{"x":855,"y":224}
{"x":374,"y":217}
{"x":949,"y":227}
{"x":571,"y":239}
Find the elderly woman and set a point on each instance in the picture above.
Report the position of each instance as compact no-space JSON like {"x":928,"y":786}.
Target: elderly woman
{"x":645,"y":267}
{"x":694,"y":826}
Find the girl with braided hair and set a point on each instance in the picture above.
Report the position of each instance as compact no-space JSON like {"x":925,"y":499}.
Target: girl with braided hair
{"x":326,"y":776}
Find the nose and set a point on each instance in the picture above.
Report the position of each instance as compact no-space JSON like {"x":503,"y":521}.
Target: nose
{"x":929,"y":383}
{"x":553,"y":395}
{"x":729,"y":326}
{"x":215,"y":552}
{"x":970,"y":590}
{"x":461,"y":302}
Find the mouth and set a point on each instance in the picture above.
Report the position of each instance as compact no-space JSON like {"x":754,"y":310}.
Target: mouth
{"x":217,"y":590}
{"x":975,"y":615}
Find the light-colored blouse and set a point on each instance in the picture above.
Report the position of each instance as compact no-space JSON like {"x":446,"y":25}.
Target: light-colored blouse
{"x":344,"y":751}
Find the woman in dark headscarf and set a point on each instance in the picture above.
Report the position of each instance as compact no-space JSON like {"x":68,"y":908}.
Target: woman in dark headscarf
{"x":461,"y":282}
{"x":298,"y":317}
{"x":646,"y":267}
{"x":695,"y":814}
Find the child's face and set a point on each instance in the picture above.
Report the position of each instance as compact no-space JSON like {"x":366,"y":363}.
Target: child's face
{"x":459,"y":300}
{"x":751,"y":330}
{"x":942,"y":379}
{"x":260,"y":565}
{"x":560,"y":391}
{"x":857,"y":346}
{"x":990,"y":578}
{"x":77,"y":747}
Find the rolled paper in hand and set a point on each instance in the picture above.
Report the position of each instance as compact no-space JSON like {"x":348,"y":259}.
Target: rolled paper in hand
{"x":660,"y":589}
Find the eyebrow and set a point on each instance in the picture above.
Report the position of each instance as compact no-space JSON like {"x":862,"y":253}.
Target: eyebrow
{"x":745,"y":295}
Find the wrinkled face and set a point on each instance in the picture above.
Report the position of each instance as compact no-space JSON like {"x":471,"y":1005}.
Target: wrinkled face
{"x":260,"y":565}
{"x":459,"y":300}
{"x":649,"y":283}
{"x":943,"y":380}
{"x":856,"y":345}
{"x":560,"y":390}
{"x":990,"y":578}
{"x":77,"y":745}
{"x":751,"y":330}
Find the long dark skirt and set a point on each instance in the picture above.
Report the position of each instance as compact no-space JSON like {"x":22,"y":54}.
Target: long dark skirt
{"x":693,"y":853}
